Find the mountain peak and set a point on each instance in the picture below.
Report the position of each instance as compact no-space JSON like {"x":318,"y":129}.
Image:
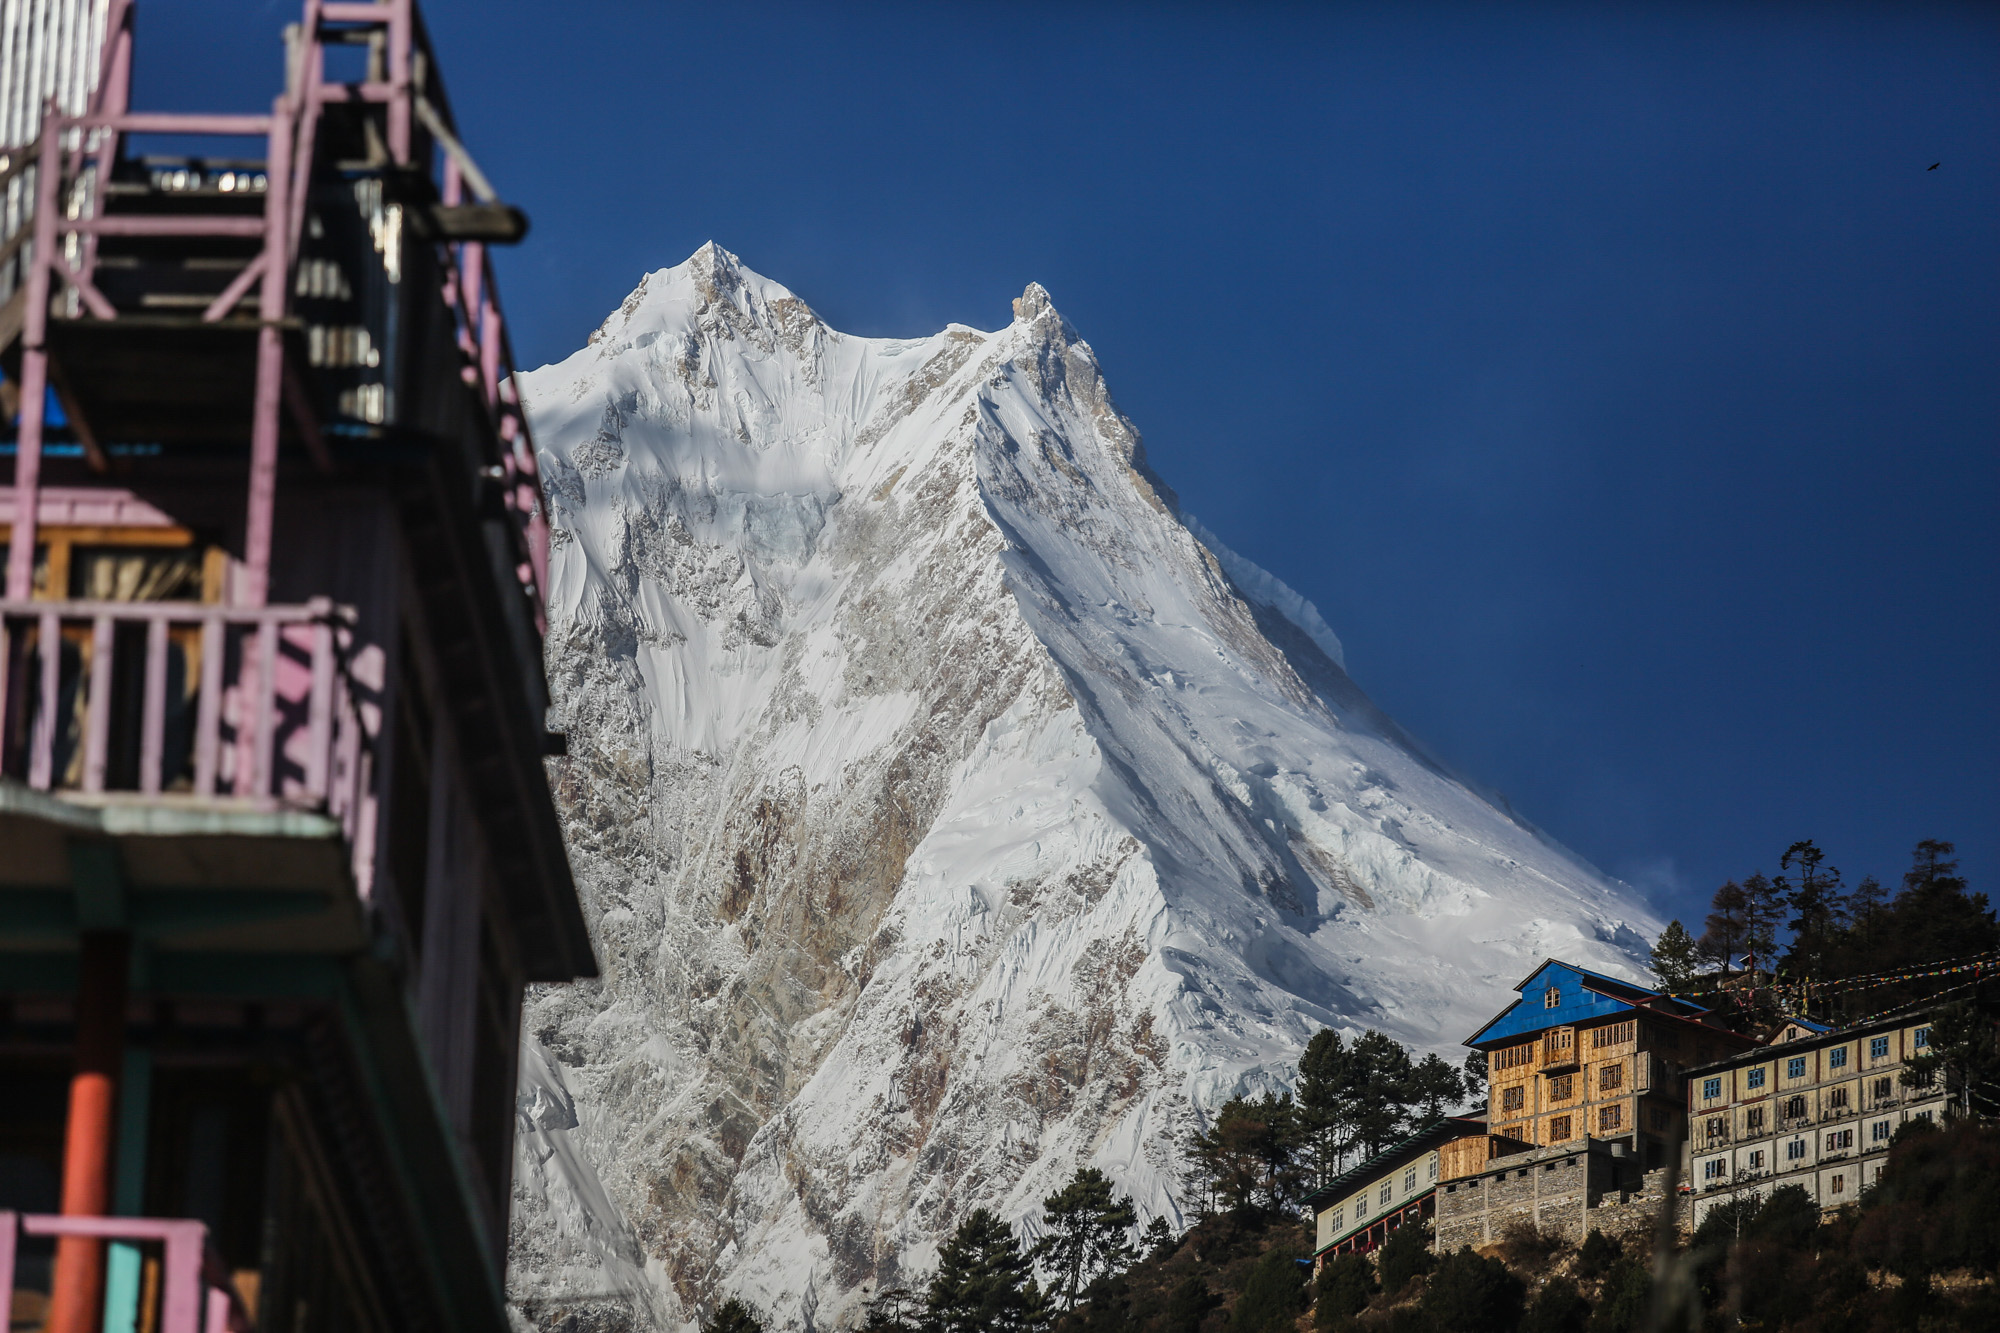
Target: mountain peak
{"x":713,"y":270}
{"x":1033,"y":303}
{"x":950,"y":811}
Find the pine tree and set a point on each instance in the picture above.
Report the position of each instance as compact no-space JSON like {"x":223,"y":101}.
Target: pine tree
{"x":1931,"y":869}
{"x":1820,"y":910}
{"x":1086,"y":1237}
{"x":1722,"y":933}
{"x":1325,"y":1072}
{"x":1764,"y":911}
{"x":1380,"y":1102}
{"x":1868,"y":898}
{"x":732,"y":1316}
{"x":892,"y":1310}
{"x":1675,"y":960}
{"x":1435,"y":1086}
{"x":1475,"y":1075}
{"x":1159,"y":1240}
{"x":1246,"y":1158}
{"x":984,"y":1284}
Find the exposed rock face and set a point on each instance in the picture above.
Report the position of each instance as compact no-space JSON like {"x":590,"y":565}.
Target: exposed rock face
{"x":950,"y":811}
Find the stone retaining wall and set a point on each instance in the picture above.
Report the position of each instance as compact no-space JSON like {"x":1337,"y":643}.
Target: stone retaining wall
{"x":1566,"y":1191}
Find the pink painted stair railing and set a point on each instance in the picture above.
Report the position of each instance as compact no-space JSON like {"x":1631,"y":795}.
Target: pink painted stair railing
{"x":196,"y":1293}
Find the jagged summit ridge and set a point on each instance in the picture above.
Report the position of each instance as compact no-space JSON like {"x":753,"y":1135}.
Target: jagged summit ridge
{"x":949,"y":810}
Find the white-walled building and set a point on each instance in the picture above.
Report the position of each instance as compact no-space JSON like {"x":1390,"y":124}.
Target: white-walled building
{"x":1815,"y":1108}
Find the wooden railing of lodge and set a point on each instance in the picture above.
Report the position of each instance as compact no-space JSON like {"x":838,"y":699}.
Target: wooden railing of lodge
{"x":278,"y":717}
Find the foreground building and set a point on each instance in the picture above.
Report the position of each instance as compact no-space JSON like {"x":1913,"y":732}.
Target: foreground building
{"x":279,"y":852}
{"x":1816,"y":1108}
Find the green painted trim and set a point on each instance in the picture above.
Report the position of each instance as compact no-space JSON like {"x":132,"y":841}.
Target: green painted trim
{"x":239,"y":976}
{"x":98,"y":877}
{"x":44,"y":973}
{"x":135,"y":1114}
{"x":249,"y":976}
{"x":41,"y":913}
{"x":122,"y":814}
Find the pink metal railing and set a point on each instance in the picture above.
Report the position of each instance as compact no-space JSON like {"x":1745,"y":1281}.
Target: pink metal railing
{"x":277,"y":719}
{"x":196,"y":1295}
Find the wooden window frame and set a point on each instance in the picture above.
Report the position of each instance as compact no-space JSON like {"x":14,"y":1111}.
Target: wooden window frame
{"x":60,"y":541}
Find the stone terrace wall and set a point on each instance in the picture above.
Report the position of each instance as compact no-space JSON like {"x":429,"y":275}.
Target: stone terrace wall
{"x":1550,"y":1191}
{"x":1558,"y":1192}
{"x":1639,"y":1210}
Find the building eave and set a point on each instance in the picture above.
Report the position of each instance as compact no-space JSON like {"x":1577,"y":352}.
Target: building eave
{"x":1426,"y":1136}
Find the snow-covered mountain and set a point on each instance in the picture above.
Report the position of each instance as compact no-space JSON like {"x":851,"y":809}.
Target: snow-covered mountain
{"x":951,"y":810}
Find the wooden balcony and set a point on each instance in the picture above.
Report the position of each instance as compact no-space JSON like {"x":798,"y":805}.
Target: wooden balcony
{"x":260,"y":712}
{"x":1558,"y":1051}
{"x":228,"y":750}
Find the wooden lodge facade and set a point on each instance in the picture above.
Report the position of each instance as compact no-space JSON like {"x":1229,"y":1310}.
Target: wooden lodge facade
{"x":277,"y":850}
{"x":1584,"y":1056}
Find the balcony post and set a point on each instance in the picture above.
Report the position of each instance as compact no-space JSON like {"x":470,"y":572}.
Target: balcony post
{"x":77,"y":1293}
{"x":34,"y":366}
{"x":271,"y":290}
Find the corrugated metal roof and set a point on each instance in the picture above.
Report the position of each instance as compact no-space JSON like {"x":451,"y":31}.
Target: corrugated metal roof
{"x":1584,"y":996}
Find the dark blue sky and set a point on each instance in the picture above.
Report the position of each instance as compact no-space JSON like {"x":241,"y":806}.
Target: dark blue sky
{"x":1617,"y":380}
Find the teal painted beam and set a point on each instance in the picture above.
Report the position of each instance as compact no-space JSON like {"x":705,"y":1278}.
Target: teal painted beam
{"x":122,"y":1269}
{"x":155,"y":913}
{"x":237,"y":976}
{"x":97,"y":873}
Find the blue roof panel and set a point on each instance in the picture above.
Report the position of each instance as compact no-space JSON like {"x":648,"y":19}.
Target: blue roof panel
{"x":1576,"y":1002}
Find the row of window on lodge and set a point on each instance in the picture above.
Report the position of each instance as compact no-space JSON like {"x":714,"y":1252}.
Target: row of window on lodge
{"x":1563,"y":1087}
{"x":1835,"y":1141}
{"x":1383,"y":1196}
{"x":1798,"y":1107}
{"x":1839,"y":1061}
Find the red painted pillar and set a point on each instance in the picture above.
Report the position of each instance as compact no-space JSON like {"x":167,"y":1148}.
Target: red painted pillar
{"x":76,"y":1299}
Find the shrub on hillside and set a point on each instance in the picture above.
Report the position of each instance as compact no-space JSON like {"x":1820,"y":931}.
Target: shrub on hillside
{"x":1470,"y":1294}
{"x":1274,"y":1295}
{"x":733,"y":1316}
{"x":1188,"y":1306}
{"x":1935,"y":1208}
{"x":1345,"y":1284}
{"x":1406,"y":1254}
{"x":1557,"y":1308}
{"x":1524,"y":1244}
{"x":1628,"y":1291}
{"x":1597,"y":1255}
